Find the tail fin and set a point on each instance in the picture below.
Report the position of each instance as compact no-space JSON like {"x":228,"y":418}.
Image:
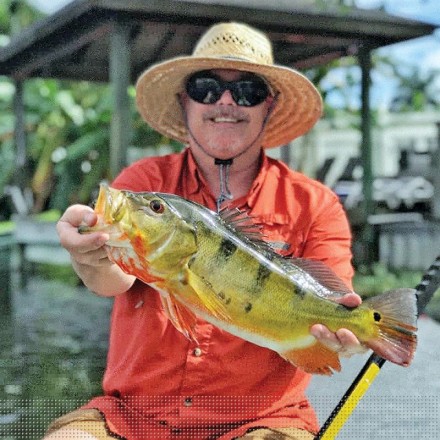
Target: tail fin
{"x":396,"y":316}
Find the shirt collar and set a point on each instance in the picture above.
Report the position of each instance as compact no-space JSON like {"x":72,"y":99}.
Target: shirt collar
{"x":197,"y":184}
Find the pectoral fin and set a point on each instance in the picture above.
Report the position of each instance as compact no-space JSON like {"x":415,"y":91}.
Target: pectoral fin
{"x":208,"y":298}
{"x":314,"y":359}
{"x":182,"y":318}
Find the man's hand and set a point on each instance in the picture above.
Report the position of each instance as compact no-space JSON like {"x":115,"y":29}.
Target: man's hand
{"x":88,"y":253}
{"x":85,"y":249}
{"x":343,"y":341}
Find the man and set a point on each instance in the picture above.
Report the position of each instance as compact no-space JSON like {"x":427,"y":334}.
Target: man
{"x":227,"y":103}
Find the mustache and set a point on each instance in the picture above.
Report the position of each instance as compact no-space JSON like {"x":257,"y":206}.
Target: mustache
{"x":226,"y":111}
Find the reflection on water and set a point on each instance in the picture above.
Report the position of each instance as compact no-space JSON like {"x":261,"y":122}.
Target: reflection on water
{"x":53,"y":341}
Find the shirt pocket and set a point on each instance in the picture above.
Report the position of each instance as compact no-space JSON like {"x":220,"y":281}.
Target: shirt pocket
{"x":279,"y":230}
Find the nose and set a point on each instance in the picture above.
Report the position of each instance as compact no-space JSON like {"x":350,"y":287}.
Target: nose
{"x":226,"y":98}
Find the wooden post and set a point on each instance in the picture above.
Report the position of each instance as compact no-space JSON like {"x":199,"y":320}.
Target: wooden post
{"x":120,"y":69}
{"x":20,"y":178}
{"x":366,"y":154}
{"x":435,"y":167}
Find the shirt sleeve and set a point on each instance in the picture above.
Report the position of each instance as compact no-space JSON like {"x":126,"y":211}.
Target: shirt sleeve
{"x":135,"y":178}
{"x":329,"y":240}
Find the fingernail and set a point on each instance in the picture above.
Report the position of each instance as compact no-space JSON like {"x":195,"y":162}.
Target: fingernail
{"x":89,"y":218}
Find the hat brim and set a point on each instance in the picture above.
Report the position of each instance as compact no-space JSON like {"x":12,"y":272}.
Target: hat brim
{"x":298,"y":106}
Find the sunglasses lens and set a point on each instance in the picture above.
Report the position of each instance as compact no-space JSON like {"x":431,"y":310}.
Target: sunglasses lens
{"x":207,"y":89}
{"x":204,"y":90}
{"x":250,"y":92}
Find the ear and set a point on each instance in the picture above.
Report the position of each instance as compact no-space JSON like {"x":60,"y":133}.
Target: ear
{"x":183,"y":99}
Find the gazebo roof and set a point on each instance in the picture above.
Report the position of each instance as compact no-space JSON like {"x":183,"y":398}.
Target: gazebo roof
{"x":74,"y":43}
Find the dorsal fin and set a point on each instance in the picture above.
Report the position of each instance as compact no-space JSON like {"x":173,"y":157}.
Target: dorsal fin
{"x":240,"y":221}
{"x":333,"y":286}
{"x":325,"y":281}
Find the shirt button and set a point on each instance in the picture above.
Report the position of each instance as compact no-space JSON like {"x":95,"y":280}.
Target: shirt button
{"x":197,"y":352}
{"x":188,"y":401}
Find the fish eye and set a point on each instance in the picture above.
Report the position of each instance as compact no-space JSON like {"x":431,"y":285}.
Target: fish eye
{"x":157,"y":206}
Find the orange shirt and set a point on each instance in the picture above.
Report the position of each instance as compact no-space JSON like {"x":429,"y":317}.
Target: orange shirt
{"x":160,"y":385}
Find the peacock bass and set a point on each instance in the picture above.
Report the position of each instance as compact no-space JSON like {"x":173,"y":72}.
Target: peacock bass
{"x":217,"y":267}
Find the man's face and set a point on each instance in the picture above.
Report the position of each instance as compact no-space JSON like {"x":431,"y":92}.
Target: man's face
{"x":224,"y":129}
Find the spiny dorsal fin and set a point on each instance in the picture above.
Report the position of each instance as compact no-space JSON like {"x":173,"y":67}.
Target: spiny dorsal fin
{"x":246,"y":225}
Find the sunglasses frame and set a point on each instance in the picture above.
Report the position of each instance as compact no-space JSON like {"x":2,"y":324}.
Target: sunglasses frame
{"x":211,"y":96}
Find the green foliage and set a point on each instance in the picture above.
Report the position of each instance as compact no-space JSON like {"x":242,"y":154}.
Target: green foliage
{"x":67,"y":128}
{"x":16,"y":15}
{"x":417,"y":91}
{"x":370,"y":281}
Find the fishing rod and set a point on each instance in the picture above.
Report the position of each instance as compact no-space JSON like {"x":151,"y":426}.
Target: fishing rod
{"x":429,"y":283}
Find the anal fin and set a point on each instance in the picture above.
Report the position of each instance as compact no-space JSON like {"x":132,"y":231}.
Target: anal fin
{"x":314,"y":359}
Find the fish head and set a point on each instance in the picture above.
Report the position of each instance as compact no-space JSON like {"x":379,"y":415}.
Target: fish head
{"x":145,"y":226}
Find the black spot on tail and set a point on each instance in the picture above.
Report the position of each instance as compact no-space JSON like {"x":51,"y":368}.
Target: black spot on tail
{"x":377,"y":316}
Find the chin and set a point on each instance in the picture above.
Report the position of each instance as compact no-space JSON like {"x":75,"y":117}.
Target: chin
{"x":228,"y":146}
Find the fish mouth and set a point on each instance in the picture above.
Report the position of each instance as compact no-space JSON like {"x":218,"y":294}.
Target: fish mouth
{"x":109,"y":205}
{"x":110,"y":208}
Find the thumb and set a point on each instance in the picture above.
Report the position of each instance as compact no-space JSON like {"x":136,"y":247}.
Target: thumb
{"x":349,"y":300}
{"x":90,"y":218}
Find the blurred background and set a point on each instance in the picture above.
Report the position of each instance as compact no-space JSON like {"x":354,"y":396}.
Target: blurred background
{"x":67,"y":123}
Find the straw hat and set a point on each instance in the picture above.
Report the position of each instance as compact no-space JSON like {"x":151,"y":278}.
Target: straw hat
{"x":229,"y":46}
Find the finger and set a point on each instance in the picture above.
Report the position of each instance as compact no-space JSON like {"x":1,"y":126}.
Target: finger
{"x":75,"y":242}
{"x":326,"y":337}
{"x":97,"y":257}
{"x":343,"y":341}
{"x":76,"y":215}
{"x":67,"y":228}
{"x":350,"y":344}
{"x":349,"y":300}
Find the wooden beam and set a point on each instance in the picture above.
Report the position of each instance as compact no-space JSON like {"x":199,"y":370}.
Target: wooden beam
{"x":120,"y":70}
{"x":42,"y":58}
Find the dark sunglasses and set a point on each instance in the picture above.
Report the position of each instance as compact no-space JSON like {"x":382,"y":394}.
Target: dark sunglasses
{"x":206,"y":88}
